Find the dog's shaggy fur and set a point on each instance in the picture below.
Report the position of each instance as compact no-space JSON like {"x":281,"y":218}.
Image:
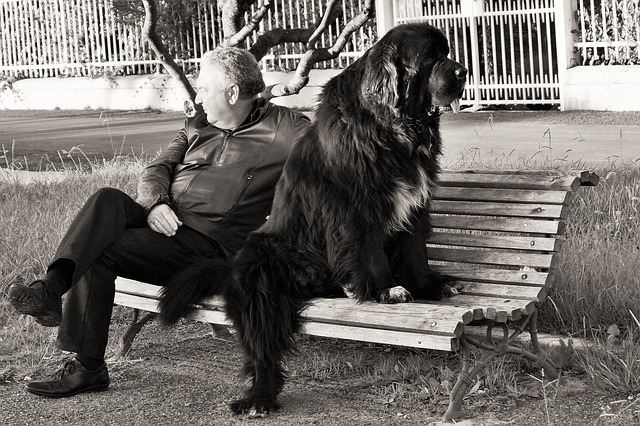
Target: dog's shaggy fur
{"x":350,"y":211}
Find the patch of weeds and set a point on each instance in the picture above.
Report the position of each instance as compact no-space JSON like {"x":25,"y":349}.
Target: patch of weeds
{"x":613,"y":361}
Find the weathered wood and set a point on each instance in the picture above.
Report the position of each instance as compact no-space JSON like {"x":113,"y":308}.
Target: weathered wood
{"x":340,"y":311}
{"x":523,"y":292}
{"x":493,"y":241}
{"x":495,"y":275}
{"x":492,"y":308}
{"x":515,"y":180}
{"x":542,"y":211}
{"x":127,"y":285}
{"x":503,"y":224}
{"x":501,"y":195}
{"x":492,"y":257}
{"x":414,"y":340}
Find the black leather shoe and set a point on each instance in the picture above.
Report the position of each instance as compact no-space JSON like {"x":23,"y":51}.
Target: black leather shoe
{"x":72,"y":379}
{"x":34,"y":299}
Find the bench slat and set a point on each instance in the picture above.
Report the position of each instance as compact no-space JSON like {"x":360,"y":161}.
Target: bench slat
{"x":546,"y":211}
{"x":372,"y":335}
{"x":515,"y":180}
{"x":533,"y":260}
{"x":504,"y":290}
{"x":402,"y":316}
{"x":533,"y":226}
{"x":493,"y":308}
{"x":501,"y":195}
{"x":127,"y":285}
{"x":493,"y":241}
{"x":495,"y":275}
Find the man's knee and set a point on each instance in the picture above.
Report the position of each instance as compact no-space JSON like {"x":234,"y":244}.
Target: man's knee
{"x":107,"y":195}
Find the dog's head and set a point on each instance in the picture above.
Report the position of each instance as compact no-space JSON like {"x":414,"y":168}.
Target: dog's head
{"x":408,"y":73}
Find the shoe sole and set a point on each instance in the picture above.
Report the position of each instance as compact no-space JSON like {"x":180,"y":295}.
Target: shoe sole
{"x":28,"y":306}
{"x":94,"y":388}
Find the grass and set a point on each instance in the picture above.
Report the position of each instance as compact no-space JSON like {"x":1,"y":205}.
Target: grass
{"x":596,"y":296}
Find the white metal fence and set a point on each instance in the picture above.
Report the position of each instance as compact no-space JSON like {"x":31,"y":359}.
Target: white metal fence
{"x":44,"y":38}
{"x":608,"y":32}
{"x":511,"y":47}
{"x":507,"y":45}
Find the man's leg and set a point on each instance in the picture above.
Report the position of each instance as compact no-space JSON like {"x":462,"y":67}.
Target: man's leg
{"x":100,"y":222}
{"x":139,"y":253}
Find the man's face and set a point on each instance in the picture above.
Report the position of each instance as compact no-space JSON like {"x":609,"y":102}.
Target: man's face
{"x":215,"y":99}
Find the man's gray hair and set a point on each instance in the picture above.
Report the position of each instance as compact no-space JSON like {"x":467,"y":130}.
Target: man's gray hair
{"x":239,"y":66}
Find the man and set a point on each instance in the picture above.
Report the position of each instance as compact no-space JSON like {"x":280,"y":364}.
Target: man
{"x":202,"y":197}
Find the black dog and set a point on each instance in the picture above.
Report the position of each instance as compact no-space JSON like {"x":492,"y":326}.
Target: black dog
{"x":350,"y":210}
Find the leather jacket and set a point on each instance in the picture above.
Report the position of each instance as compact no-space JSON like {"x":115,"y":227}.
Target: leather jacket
{"x":221,"y":183}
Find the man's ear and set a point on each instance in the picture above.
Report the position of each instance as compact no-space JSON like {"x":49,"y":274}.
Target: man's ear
{"x":233,"y":94}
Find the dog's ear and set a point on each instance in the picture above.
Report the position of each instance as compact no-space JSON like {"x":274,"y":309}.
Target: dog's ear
{"x":380,"y":77}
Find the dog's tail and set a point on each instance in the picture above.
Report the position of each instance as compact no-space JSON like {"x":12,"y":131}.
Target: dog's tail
{"x":203,"y":278}
{"x":270,"y":290}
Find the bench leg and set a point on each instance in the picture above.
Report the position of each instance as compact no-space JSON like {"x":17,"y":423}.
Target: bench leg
{"x":460,"y":388}
{"x":127,"y":338}
{"x":496,"y":347}
{"x":541,"y":360}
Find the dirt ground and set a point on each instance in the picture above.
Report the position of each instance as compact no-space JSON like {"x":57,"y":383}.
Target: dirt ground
{"x":185,"y":376}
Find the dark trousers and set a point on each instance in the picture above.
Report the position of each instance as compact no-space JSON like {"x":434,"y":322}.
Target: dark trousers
{"x":108,"y":238}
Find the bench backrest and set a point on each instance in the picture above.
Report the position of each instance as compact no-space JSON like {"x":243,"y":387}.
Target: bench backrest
{"x":498,"y":233}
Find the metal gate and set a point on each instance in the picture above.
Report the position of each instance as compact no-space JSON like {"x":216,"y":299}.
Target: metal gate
{"x":508,"y":46}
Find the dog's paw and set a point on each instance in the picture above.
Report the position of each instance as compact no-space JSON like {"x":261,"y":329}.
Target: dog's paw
{"x":396,"y":294}
{"x":253,"y":408}
{"x":452,"y":288}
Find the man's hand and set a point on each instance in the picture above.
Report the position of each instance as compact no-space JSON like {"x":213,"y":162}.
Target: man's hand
{"x":163,"y":220}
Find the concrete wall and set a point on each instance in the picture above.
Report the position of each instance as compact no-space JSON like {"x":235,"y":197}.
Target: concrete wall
{"x":157,"y":91}
{"x":602,"y":88}
{"x":612,"y":88}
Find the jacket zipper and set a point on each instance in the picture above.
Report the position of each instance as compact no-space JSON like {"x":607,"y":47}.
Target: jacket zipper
{"x":247,"y":181}
{"x":225,"y":142}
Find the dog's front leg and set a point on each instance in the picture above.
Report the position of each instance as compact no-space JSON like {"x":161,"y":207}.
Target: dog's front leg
{"x":407,"y":251}
{"x":363,"y":261}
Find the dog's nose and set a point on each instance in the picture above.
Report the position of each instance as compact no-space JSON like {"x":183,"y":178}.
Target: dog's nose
{"x":461,"y":73}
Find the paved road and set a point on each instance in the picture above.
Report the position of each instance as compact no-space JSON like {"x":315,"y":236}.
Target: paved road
{"x":91,"y":133}
{"x":503,"y":139}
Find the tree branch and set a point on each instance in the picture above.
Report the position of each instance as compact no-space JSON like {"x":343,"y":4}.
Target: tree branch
{"x":253,"y":23}
{"x":313,"y":56}
{"x":330,"y":14}
{"x":161,"y":51}
{"x":232,"y":11}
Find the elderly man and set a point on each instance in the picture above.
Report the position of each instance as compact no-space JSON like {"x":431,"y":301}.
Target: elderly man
{"x":202,"y":197}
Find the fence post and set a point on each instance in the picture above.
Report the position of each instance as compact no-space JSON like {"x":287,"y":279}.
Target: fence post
{"x":385,"y":16}
{"x":565,"y":37}
{"x":471,"y":9}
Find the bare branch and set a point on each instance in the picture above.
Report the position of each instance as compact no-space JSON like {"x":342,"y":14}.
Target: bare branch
{"x":232,"y":13}
{"x":161,"y":51}
{"x":308,"y":36}
{"x":330,"y":14}
{"x":311,"y":57}
{"x":278,"y":36}
{"x":255,"y":19}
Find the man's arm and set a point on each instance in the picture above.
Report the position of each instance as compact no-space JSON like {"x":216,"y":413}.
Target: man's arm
{"x":153,"y":186}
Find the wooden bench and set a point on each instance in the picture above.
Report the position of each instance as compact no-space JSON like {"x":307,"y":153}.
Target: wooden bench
{"x":498,"y":232}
